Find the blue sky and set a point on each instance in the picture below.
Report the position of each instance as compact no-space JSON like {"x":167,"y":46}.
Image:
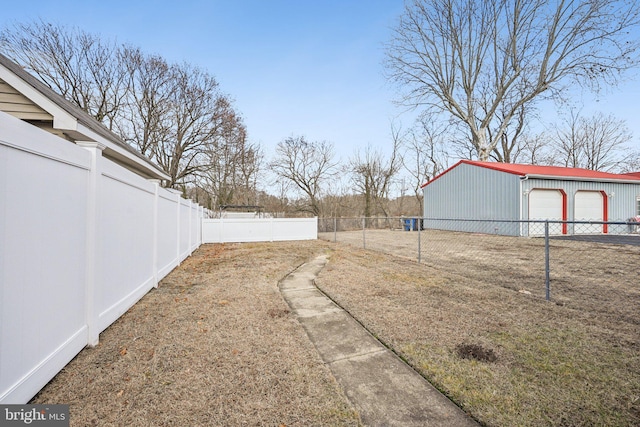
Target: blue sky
{"x":294,"y":67}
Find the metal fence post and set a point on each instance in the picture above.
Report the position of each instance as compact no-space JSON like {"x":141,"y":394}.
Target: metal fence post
{"x":419,"y":242}
{"x":546,"y":258}
{"x":335,"y":229}
{"x":364,"y":241}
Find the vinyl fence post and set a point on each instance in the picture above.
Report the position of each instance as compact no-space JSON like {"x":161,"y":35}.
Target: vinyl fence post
{"x":189,"y":251}
{"x":271,"y":229}
{"x":156,"y":193}
{"x":92,"y":279}
{"x":177,"y":230}
{"x":546,"y":258}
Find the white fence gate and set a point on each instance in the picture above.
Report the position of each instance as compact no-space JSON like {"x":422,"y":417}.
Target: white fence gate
{"x":81,"y":240}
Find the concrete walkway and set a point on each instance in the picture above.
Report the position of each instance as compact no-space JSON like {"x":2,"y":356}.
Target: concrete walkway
{"x":384,"y":389}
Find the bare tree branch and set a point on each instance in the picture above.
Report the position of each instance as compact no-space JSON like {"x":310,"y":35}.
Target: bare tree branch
{"x":372,"y":175}
{"x":78,"y":65}
{"x":308,"y":166}
{"x":173,"y":114}
{"x":426,"y":155}
{"x":484,"y":63}
{"x":599,"y":142}
{"x":145,"y":122}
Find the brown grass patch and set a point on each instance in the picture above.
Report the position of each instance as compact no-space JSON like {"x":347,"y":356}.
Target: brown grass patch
{"x":214,"y":344}
{"x":576,"y":363}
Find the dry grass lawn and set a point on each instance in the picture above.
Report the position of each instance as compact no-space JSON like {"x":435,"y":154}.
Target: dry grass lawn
{"x":214,"y":345}
{"x":508,"y":358}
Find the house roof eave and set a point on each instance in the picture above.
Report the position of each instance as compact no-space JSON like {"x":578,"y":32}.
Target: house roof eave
{"x":73,"y":121}
{"x":124,"y":154}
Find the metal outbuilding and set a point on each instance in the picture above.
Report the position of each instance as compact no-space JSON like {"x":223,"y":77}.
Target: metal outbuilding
{"x":473,"y":190}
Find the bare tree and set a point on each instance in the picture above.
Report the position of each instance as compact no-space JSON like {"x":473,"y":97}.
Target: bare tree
{"x":372,"y":175}
{"x":632,"y":163}
{"x":426,"y":154}
{"x":308,"y":166}
{"x":280,"y":203}
{"x":78,"y":65}
{"x":173,"y":114}
{"x":514,"y":137}
{"x":250,"y":164}
{"x":534,"y":149}
{"x":220,"y":176}
{"x":606,"y":143}
{"x":145,"y":123}
{"x":599,"y":142}
{"x":482,"y":62}
{"x":196,"y":113}
{"x":569,"y":141}
{"x":233,"y":165}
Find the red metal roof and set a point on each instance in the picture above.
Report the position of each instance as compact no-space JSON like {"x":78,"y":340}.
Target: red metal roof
{"x":546,"y":171}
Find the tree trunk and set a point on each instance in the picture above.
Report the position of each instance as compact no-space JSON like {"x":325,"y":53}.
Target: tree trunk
{"x":483,"y":147}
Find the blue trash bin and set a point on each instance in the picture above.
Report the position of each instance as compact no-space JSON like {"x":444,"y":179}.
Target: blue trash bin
{"x":407,"y":224}
{"x":414,"y":224}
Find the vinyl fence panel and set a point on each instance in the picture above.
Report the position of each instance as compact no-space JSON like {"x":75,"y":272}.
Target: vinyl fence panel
{"x":295,"y":229}
{"x":258,"y":229}
{"x":81,"y":240}
{"x":125,"y":239}
{"x":185,"y":224}
{"x":38,"y":280}
{"x":167,"y":231}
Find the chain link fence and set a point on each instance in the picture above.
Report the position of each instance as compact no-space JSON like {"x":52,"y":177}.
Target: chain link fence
{"x":546,"y":259}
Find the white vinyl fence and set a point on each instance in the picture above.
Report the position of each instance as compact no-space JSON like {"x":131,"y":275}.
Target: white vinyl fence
{"x":81,"y":240}
{"x":225,"y":230}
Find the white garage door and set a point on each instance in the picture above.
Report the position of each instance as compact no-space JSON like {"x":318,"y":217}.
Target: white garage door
{"x":589,"y":206}
{"x":545,"y":204}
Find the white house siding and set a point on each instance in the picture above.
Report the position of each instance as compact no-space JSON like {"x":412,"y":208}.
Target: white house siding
{"x":473,"y":193}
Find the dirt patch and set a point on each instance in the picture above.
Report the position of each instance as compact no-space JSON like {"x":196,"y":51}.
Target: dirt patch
{"x":476,"y":352}
{"x":214,"y":344}
{"x":572,"y":361}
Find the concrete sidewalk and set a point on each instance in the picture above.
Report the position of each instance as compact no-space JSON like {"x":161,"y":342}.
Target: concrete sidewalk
{"x":384,"y":389}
